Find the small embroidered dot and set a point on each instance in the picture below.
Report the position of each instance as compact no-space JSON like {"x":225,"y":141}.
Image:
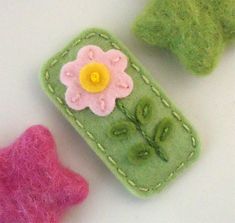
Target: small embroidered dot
{"x":143,"y":189}
{"x":135,"y":67}
{"x":115,"y":46}
{"x":75,"y":98}
{"x":53,"y":62}
{"x":193,"y":141}
{"x":102,"y":104}
{"x":51,"y":89}
{"x":116,"y":60}
{"x":121,"y":172}
{"x":165,"y":130}
{"x":47,"y":75}
{"x":79,"y":124}
{"x":146,"y":80}
{"x":146,"y":108}
{"x":64,"y":53}
{"x":112,"y":160}
{"x":131,"y":183}
{"x":165,"y":103}
{"x":90,"y":35}
{"x":191,"y":155}
{"x":101,"y":147}
{"x":76,"y":42}
{"x":59,"y":100}
{"x":69,"y":112}
{"x":104,"y":36}
{"x":122,"y":85}
{"x":180,"y":166}
{"x":176,"y":115}
{"x":90,"y":135}
{"x":156,"y":91}
{"x":186,"y":127}
{"x":69,"y":74}
{"x":91,"y":54}
{"x":119,"y":132}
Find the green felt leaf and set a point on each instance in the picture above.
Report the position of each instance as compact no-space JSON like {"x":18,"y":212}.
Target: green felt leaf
{"x":163,"y":130}
{"x":179,"y":149}
{"x":140,"y":154}
{"x":123,"y":129}
{"x":144,"y":110}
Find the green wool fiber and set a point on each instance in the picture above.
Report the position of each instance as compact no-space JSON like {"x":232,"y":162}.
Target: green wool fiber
{"x":195,"y":30}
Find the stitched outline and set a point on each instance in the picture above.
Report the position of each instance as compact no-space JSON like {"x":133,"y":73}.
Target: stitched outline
{"x":91,"y":136}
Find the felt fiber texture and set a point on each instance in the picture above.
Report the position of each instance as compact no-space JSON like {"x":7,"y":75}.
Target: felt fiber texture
{"x":196,"y":31}
{"x":122,"y":139}
{"x":34,"y":186}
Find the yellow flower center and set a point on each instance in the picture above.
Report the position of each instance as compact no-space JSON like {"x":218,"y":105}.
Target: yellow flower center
{"x":94,"y":77}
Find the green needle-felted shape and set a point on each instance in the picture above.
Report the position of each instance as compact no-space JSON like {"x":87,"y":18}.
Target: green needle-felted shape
{"x":196,"y":31}
{"x":145,"y":141}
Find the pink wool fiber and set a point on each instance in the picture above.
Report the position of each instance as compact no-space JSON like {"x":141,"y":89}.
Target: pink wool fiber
{"x":34,"y":186}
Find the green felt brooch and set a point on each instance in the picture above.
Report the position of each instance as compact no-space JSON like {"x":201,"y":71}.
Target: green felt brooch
{"x":196,"y":31}
{"x":117,"y":107}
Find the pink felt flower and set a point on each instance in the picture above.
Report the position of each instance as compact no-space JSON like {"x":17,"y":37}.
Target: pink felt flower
{"x":95,"y":79}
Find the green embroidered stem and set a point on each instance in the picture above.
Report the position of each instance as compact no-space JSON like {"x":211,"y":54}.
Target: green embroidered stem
{"x":151,"y":142}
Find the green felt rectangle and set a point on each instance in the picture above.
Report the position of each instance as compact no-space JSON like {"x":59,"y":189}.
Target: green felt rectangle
{"x":174,"y":150}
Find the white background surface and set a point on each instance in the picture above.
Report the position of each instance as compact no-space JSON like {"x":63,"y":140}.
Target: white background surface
{"x":31,"y":31}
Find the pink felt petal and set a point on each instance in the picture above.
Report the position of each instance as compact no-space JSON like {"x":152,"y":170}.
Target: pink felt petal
{"x":76,"y":97}
{"x":102,"y":104}
{"x":89,"y":54}
{"x":116,"y":60}
{"x":69,"y":73}
{"x":122,"y":86}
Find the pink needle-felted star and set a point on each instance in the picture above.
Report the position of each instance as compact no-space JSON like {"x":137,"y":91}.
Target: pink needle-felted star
{"x":34,"y":186}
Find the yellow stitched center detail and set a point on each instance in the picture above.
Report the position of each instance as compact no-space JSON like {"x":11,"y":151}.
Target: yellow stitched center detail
{"x":94,"y":77}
